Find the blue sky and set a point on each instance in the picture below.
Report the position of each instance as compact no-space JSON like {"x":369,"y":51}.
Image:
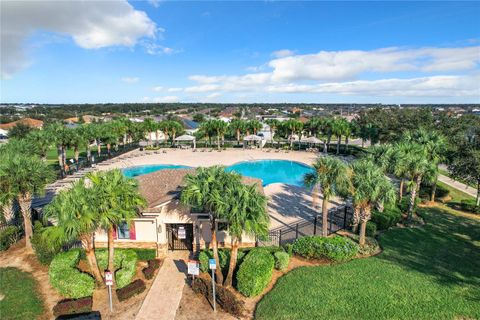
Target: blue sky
{"x":150,"y":51}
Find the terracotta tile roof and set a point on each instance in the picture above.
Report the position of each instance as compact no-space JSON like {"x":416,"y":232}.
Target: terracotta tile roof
{"x":164,"y":185}
{"x":34,"y":123}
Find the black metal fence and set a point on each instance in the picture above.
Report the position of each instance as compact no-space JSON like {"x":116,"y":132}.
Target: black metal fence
{"x":338,"y":219}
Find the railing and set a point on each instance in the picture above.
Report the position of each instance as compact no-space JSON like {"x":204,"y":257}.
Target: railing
{"x":338,"y":219}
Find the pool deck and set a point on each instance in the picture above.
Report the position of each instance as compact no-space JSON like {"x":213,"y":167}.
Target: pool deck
{"x":286,"y":203}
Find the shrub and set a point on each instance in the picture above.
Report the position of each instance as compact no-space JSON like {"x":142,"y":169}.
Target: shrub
{"x":66,"y":307}
{"x":470,"y":206}
{"x":288,"y":249}
{"x":130,"y":290}
{"x":44,"y":250}
{"x":255,"y":272}
{"x":223,"y":255}
{"x":149,"y":271}
{"x":225,"y":298}
{"x":67,"y":279}
{"x":440,"y":191}
{"x":281,"y":260}
{"x":124,"y":261}
{"x":334,"y":248}
{"x":405,"y":203}
{"x":388,"y":218}
{"x":9,"y":236}
{"x":145,"y":254}
{"x":371,"y":229}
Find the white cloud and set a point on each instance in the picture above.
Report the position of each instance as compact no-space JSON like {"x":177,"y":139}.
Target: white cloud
{"x":283,"y":53}
{"x":214,"y":95}
{"x":155,"y":3}
{"x":156,"y":49}
{"x":157,"y":88}
{"x":130,"y":79}
{"x":166,"y":99}
{"x":174,"y":89}
{"x":91,"y":25}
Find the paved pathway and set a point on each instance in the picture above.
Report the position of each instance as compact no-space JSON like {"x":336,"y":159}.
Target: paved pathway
{"x":164,"y":297}
{"x":458,"y":185}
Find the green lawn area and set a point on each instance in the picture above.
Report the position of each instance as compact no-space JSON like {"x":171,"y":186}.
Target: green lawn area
{"x":457,"y":195}
{"x":20,"y":297}
{"x":431,"y":272}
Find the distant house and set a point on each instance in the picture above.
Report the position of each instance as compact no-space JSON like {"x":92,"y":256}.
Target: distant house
{"x":34,"y":123}
{"x":166,"y":224}
{"x":86,"y":118}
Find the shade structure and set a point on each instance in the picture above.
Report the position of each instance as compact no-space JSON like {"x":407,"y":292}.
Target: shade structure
{"x":186,"y":137}
{"x":313,"y":140}
{"x":252,"y":137}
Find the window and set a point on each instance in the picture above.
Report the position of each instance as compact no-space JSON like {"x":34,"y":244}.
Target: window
{"x":123,"y":231}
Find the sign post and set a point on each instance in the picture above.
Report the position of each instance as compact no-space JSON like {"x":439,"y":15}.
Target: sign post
{"x":213,"y":265}
{"x":193,"y":268}
{"x":109,"y":283}
{"x":182,"y":234}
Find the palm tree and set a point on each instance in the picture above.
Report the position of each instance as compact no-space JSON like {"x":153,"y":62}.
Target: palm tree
{"x":76,"y":141}
{"x":332,"y":177}
{"x":117,"y":200}
{"x":294,"y":126}
{"x":60,"y":136}
{"x":370,"y":187}
{"x":24,"y":176}
{"x":150,"y":126}
{"x":75,"y":217}
{"x":220,"y":129}
{"x":347,"y":132}
{"x":175,"y":128}
{"x":273,"y":124}
{"x":244,"y":207}
{"x":200,"y":191}
{"x":238,"y":126}
{"x":338,"y":129}
{"x":41,"y":140}
{"x":326,"y":127}
{"x":254,"y":125}
{"x":399,"y":165}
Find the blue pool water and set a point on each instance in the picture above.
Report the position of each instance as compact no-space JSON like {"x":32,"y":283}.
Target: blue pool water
{"x":273,"y":171}
{"x":140,"y":170}
{"x":270,"y":171}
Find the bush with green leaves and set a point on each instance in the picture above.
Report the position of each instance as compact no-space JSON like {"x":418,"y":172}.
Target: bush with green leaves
{"x":67,"y":279}
{"x":9,"y":236}
{"x":334,"y":248}
{"x":124,"y":261}
{"x":44,"y":250}
{"x":388,"y":218}
{"x":281,"y":260}
{"x":288,"y":249}
{"x":145,"y":254}
{"x":405,"y":203}
{"x":440,"y":191}
{"x":223,"y":255}
{"x":371,"y":229}
{"x":255,"y":272}
{"x":470,"y":206}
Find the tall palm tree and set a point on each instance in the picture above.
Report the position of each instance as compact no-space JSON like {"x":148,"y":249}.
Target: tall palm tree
{"x":200,"y":191}
{"x":294,"y":126}
{"x":220,"y":128}
{"x":75,"y":217}
{"x":150,"y":126}
{"x":273,"y":124}
{"x":117,"y":200}
{"x":244,"y":207}
{"x":26,"y":176}
{"x":347,"y":132}
{"x":41,"y":140}
{"x":369,"y":187}
{"x":326,"y":127}
{"x":238,"y":126}
{"x":338,"y":129}
{"x":331,"y":176}
{"x":60,"y":136}
{"x":175,"y":128}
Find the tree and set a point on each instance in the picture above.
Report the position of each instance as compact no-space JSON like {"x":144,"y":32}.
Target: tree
{"x":369,"y":187}
{"x":150,"y":126}
{"x":331,"y":176}
{"x":244,"y":207}
{"x":41,"y":140}
{"x":19,"y":131}
{"x":238,"y":126}
{"x":466,"y":164}
{"x":175,"y":128}
{"x":75,"y":217}
{"x":24,"y":176}
{"x":254,"y":126}
{"x":61,"y":139}
{"x":338,"y":129}
{"x":294,"y":126}
{"x":199,"y":117}
{"x":273,"y":124}
{"x":220,"y":128}
{"x":326,"y":128}
{"x":116,"y":200}
{"x":201,"y":190}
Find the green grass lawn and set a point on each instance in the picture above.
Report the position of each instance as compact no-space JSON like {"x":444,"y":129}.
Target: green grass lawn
{"x":431,"y":272}
{"x":20,"y":297}
{"x":457,"y":195}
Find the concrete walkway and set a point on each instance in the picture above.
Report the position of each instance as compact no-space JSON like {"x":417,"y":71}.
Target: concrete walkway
{"x":458,"y":185}
{"x":164,"y":297}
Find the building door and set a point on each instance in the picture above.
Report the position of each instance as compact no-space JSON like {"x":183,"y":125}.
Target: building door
{"x":180,"y":236}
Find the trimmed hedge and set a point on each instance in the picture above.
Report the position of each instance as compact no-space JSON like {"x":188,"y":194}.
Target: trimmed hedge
{"x":333,"y":248}
{"x":388,"y":218}
{"x":9,"y":236}
{"x":144,"y":254}
{"x":224,"y":297}
{"x":67,"y":307}
{"x":255,"y":272}
{"x":130,"y":290}
{"x":281,"y":260}
{"x":125,"y":262}
{"x":67,"y":279}
{"x":44,"y":251}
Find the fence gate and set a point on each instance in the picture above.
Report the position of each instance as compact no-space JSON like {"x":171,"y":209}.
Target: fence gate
{"x":180,"y":236}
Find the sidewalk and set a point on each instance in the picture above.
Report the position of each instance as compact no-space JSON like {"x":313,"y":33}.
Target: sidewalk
{"x":458,"y":185}
{"x":164,"y":297}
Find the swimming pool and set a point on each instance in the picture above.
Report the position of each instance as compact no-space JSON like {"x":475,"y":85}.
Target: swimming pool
{"x":270,"y":171}
{"x":141,"y":170}
{"x":273,"y":171}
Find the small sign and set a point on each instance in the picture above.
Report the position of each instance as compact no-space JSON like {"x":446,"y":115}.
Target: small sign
{"x":108,"y":278}
{"x":182,"y":233}
{"x":193,"y":267}
{"x":212,"y":264}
